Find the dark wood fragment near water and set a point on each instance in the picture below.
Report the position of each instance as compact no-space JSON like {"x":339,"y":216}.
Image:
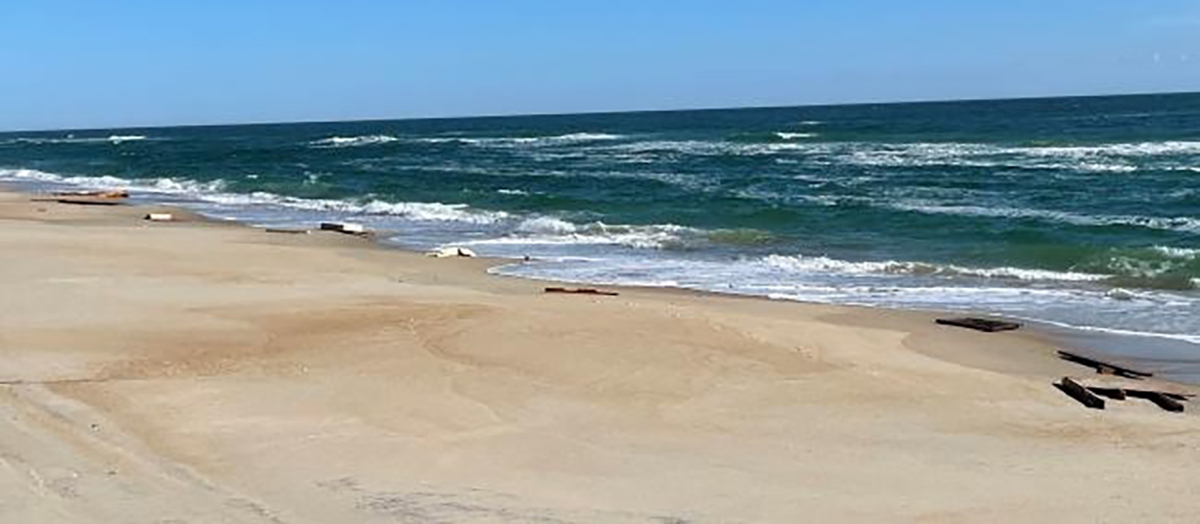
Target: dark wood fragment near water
{"x":1081,"y":394}
{"x":980,"y":324}
{"x":1102,"y":367}
{"x":1166,"y":401}
{"x":82,"y":201}
{"x":286,"y":231}
{"x":581,"y":291}
{"x":108,"y":193}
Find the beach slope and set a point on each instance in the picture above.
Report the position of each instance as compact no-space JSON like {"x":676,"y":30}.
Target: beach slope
{"x":200,"y":372}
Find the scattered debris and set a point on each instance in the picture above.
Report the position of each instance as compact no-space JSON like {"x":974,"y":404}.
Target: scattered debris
{"x":1103,"y":368}
{"x":160,"y":217}
{"x":287,"y":231}
{"x":1081,"y":394}
{"x":980,"y":324}
{"x":349,"y":228}
{"x":449,"y":252}
{"x":581,"y":291}
{"x":1120,"y":389}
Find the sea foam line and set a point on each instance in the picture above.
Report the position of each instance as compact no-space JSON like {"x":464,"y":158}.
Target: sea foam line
{"x":1181,"y":224}
{"x":213,"y":192}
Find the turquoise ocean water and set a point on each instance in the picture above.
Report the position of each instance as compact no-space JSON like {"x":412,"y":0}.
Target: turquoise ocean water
{"x":1080,"y":212}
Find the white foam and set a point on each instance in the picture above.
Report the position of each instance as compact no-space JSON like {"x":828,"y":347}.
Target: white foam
{"x":354,"y":141}
{"x":783,"y":135}
{"x":117,"y":139}
{"x":822,"y":264}
{"x":71,"y":139}
{"x":213,"y":192}
{"x":1178,"y":252}
{"x":1182,"y":224}
{"x":531,"y":141}
{"x":549,"y":231}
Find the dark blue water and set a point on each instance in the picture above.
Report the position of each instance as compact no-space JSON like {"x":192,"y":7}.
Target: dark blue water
{"x":1078,"y":211}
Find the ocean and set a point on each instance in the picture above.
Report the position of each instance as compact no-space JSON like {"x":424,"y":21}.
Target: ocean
{"x":1077,"y":212}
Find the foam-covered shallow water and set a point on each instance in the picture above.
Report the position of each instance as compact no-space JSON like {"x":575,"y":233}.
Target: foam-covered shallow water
{"x":1077,"y":212}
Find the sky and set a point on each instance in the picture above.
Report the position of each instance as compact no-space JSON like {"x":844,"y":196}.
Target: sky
{"x":125,"y":63}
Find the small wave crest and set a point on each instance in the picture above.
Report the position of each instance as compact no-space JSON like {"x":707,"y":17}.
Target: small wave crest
{"x":354,"y":141}
{"x":823,"y":264}
{"x":545,"y":230}
{"x":528,"y":141}
{"x":111,"y":139}
{"x":783,"y":135}
{"x":1180,"y":224}
{"x":214,"y":192}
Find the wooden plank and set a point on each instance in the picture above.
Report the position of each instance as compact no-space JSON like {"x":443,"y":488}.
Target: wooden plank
{"x":980,"y":324}
{"x":96,"y":194}
{"x":581,"y":291}
{"x":1163,"y":400}
{"x":1104,"y":368}
{"x":286,"y":231}
{"x":1081,"y":394}
{"x":81,"y":201}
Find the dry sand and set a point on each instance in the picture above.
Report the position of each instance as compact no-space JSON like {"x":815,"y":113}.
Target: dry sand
{"x":203,"y":373}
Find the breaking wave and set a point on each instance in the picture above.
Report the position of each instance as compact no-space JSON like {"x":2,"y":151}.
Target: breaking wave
{"x":530,"y":141}
{"x":354,"y":141}
{"x":111,"y":139}
{"x":822,"y":264}
{"x":213,"y":192}
{"x":1180,"y":224}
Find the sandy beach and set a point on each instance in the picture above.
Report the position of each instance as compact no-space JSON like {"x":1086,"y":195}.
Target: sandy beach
{"x":199,"y":372}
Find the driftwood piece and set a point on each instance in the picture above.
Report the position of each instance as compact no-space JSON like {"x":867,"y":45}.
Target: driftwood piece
{"x":581,"y":291}
{"x":1113,"y":393}
{"x":1081,"y":394}
{"x":980,"y":324}
{"x":286,"y":231}
{"x":81,"y":201}
{"x":120,"y":193}
{"x":348,"y":228}
{"x":1167,"y":401}
{"x":1102,"y":367}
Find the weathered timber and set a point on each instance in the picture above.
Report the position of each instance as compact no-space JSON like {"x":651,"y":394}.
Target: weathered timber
{"x":1163,"y":400}
{"x":980,"y":324}
{"x":1102,"y":367}
{"x":1081,"y":394}
{"x":581,"y":291}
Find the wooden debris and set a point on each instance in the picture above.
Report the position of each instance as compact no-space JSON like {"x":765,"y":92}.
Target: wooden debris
{"x":581,"y":291}
{"x":120,"y":193}
{"x":980,"y":324}
{"x":287,"y":231}
{"x":160,"y":217}
{"x":348,"y":228}
{"x":85,"y":201}
{"x":1104,"y":368}
{"x":1113,"y":393}
{"x":1081,"y":394}
{"x":450,"y":252}
{"x":1167,"y":401}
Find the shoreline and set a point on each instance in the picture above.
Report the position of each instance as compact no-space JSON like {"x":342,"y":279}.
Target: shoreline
{"x":1173,"y":359}
{"x":208,"y":371}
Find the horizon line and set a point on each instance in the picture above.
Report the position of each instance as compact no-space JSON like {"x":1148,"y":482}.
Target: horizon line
{"x":607,"y":112}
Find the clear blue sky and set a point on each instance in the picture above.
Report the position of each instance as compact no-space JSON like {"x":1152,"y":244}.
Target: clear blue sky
{"x":90,"y":63}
